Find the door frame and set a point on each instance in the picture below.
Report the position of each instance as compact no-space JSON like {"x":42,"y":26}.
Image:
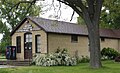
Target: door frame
{"x":30,"y":53}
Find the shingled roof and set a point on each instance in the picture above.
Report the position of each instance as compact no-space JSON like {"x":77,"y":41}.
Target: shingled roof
{"x":54,"y":26}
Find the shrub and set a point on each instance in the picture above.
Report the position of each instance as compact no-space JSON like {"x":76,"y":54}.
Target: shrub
{"x":117,"y":59}
{"x":77,"y":57}
{"x":109,"y":53}
{"x":84,"y":59}
{"x":60,"y":58}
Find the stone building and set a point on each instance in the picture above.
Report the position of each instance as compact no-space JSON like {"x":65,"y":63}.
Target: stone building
{"x":36,"y":35}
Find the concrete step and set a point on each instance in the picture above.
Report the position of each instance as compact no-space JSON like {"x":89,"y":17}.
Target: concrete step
{"x":16,"y":63}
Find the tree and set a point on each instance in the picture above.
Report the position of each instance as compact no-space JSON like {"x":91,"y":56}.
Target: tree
{"x":4,"y":41}
{"x":90,"y":11}
{"x":6,"y":38}
{"x":80,"y":21}
{"x":12,"y":14}
{"x":110,"y":17}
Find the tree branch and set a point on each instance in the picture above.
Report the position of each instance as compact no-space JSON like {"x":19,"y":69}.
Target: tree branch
{"x":80,"y":4}
{"x":28,"y":8}
{"x":98,"y":10}
{"x":72,"y":15}
{"x":17,"y":4}
{"x":73,"y":6}
{"x":4,"y":1}
{"x":91,"y":8}
{"x":59,"y":10}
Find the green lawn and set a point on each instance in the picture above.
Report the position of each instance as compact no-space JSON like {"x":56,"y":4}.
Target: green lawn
{"x":109,"y":67}
{"x":2,"y":58}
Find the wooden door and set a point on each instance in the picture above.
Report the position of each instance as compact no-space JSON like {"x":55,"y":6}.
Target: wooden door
{"x":28,"y":46}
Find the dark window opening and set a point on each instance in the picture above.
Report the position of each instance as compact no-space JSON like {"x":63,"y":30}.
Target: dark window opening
{"x":38,"y":43}
{"x":74,"y":38}
{"x":18,"y":44}
{"x":102,"y":39}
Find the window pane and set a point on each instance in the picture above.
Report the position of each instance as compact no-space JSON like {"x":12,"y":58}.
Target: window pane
{"x":26,"y":39}
{"x":38,"y":42}
{"x":74,"y":38}
{"x":38,"y":50}
{"x":37,"y":38}
{"x":30,"y":36}
{"x":38,"y":46}
{"x":18,"y":44}
{"x":26,"y":36}
{"x":102,"y":39}
{"x":30,"y":40}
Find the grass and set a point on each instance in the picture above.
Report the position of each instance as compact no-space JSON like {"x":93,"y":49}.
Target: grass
{"x":2,"y":58}
{"x":108,"y":67}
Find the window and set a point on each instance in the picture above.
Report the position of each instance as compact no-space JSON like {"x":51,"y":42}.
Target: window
{"x":28,"y":40}
{"x":74,"y":38}
{"x":38,"y":43}
{"x":28,"y":37}
{"x":18,"y":44}
{"x":102,"y":39}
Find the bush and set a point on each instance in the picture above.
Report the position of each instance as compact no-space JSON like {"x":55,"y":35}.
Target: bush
{"x":109,"y":53}
{"x":60,"y":58}
{"x":117,"y":59}
{"x":84,"y":59}
{"x":77,"y":57}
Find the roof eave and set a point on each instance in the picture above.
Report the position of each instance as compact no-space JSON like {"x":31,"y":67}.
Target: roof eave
{"x":13,"y":31}
{"x":23,"y":22}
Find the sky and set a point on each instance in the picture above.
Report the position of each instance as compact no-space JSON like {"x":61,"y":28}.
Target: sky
{"x":52,"y":10}
{"x":1,"y":36}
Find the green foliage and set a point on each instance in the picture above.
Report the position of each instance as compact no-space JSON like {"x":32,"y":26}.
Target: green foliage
{"x":58,"y":50}
{"x":111,"y":14}
{"x":109,"y":53}
{"x":60,"y":58}
{"x":12,"y":15}
{"x":84,"y":59}
{"x":6,"y":37}
{"x":80,"y":21}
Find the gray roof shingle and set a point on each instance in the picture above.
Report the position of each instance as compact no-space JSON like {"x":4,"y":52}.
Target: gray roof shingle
{"x":55,"y":26}
{"x":60,"y":26}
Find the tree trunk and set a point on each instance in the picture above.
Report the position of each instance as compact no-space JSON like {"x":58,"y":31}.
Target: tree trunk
{"x":94,"y":42}
{"x":91,"y":15}
{"x":94,"y":47}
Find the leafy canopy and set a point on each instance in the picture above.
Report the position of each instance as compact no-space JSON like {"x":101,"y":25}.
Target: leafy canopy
{"x":11,"y":13}
{"x":110,"y":17}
